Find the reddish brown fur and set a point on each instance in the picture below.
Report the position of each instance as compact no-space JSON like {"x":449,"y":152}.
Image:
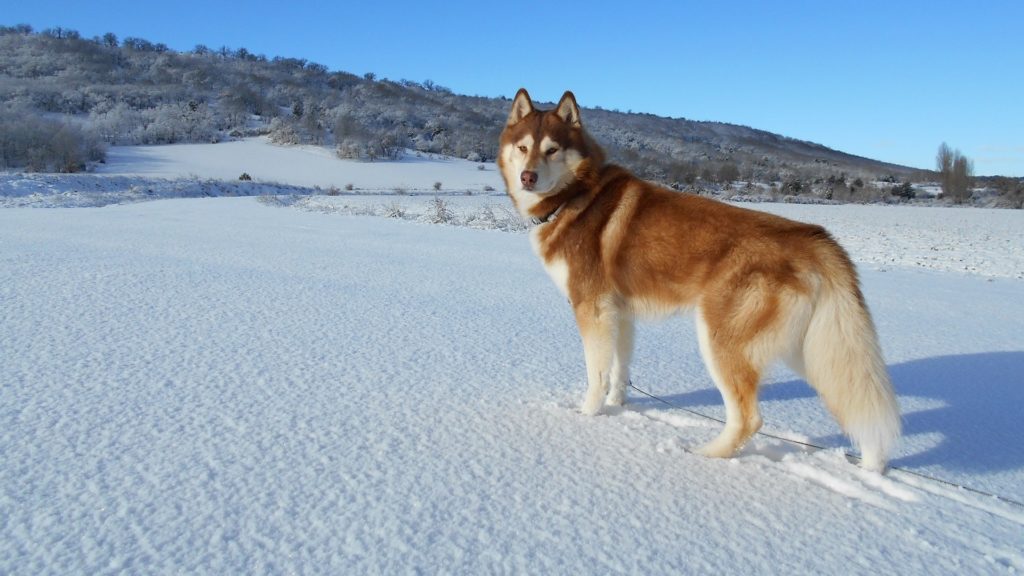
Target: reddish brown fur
{"x":632,"y":247}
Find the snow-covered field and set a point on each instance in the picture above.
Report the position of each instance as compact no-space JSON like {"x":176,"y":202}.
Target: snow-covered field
{"x":297,"y":165}
{"x":982,"y":241}
{"x":227,"y":385}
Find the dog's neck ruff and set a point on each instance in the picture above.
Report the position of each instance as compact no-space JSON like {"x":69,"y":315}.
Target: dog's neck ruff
{"x":550,"y":216}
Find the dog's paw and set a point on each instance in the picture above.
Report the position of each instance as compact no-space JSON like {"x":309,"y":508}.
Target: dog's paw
{"x":872,"y":462}
{"x":615,"y":398}
{"x":590,"y":408}
{"x":717,"y":448}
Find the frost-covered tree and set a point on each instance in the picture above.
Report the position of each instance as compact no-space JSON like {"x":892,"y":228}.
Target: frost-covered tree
{"x":118,"y":125}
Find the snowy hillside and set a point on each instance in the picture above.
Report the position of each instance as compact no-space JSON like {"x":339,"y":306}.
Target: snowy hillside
{"x":224,"y":385}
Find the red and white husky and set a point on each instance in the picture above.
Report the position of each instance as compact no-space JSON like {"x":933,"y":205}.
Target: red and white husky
{"x":763,"y":287}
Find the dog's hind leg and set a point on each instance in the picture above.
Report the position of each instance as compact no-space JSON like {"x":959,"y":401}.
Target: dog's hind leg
{"x":620,"y":360}
{"x":597,"y":324}
{"x":736,"y":378}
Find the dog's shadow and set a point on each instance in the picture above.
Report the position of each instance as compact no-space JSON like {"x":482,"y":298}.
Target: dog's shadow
{"x":978,"y":422}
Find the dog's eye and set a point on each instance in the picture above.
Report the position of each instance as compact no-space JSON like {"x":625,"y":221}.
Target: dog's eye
{"x":522,"y":149}
{"x":551,"y":151}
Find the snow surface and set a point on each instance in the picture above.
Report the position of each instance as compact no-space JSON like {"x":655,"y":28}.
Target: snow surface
{"x":983,"y":241}
{"x":297,"y":165}
{"x":220,"y":385}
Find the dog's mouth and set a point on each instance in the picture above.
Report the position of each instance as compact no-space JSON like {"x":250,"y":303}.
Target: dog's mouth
{"x":542,"y":187}
{"x":535,"y":191}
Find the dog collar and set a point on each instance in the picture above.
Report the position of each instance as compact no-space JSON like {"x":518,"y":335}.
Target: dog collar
{"x":547,"y":217}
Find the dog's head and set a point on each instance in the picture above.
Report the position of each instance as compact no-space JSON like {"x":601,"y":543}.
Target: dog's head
{"x":542,"y":151}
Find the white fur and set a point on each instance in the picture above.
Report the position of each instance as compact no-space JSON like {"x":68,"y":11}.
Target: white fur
{"x":608,"y":348}
{"x":546,"y":143}
{"x":572,"y":159}
{"x":557,"y":268}
{"x":851,"y":378}
{"x":599,"y":349}
{"x":623,"y":353}
{"x":521,"y":106}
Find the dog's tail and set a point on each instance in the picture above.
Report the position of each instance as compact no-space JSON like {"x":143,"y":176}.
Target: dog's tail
{"x":843,"y":362}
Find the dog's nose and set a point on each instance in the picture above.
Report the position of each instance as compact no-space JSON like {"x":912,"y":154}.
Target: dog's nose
{"x":528,"y":178}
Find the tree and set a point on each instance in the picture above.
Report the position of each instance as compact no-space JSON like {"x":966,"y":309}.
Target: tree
{"x":728,"y":173}
{"x":23,"y":29}
{"x":137,"y":44}
{"x":955,"y":173}
{"x":57,"y":32}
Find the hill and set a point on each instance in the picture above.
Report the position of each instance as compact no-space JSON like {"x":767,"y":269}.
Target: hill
{"x":102,"y":91}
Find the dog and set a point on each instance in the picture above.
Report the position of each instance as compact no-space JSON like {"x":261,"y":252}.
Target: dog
{"x":763,"y":287}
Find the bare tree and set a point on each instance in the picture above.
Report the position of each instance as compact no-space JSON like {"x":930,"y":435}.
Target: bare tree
{"x":955,"y":173}
{"x":963,"y":171}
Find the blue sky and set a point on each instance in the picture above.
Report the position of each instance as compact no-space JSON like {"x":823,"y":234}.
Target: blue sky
{"x":886,"y":80}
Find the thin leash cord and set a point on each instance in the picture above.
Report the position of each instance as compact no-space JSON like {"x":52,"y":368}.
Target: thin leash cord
{"x":847,"y":454}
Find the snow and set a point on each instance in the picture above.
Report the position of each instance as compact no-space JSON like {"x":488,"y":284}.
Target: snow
{"x":297,"y":165}
{"x":982,"y":241}
{"x":223,"y":385}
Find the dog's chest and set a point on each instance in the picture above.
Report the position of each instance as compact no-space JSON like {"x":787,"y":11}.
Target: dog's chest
{"x":557,"y":268}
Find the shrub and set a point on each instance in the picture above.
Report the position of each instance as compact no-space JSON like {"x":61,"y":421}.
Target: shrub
{"x":394,"y":210}
{"x":904,"y":191}
{"x":438,"y":212}
{"x":793,"y":186}
{"x":510,"y":221}
{"x":40,"y":145}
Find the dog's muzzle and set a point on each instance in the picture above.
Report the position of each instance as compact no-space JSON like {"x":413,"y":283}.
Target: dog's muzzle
{"x":528,"y":179}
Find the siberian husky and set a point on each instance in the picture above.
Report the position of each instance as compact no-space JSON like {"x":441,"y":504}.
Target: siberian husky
{"x":763,"y":287}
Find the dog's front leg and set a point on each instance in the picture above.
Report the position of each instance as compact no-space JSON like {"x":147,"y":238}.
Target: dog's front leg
{"x":620,"y":360}
{"x":596,"y":323}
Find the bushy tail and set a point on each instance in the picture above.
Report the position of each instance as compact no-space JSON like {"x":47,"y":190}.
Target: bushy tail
{"x":843,"y":362}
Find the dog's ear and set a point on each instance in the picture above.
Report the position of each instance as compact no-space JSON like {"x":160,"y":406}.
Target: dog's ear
{"x":568,"y":110}
{"x":521,"y":106}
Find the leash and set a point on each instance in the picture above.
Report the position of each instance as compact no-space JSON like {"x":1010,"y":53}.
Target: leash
{"x":851,"y":457}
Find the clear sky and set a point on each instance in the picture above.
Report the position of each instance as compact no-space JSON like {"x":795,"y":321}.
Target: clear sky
{"x":887,"y":80}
